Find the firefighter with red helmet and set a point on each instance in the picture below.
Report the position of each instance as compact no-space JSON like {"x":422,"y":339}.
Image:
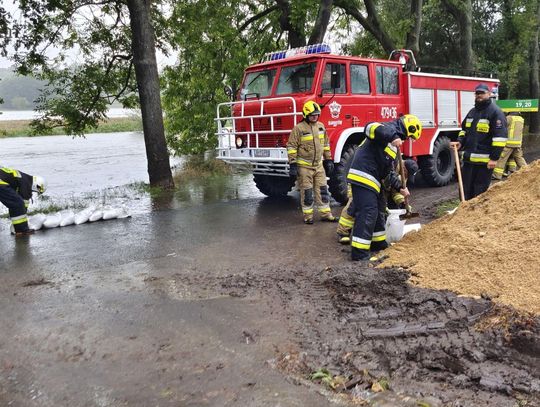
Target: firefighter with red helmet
{"x":310,"y":161}
{"x":16,"y":189}
{"x":372,"y":163}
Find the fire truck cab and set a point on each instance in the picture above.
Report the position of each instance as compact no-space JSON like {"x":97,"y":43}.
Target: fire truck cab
{"x":352,"y":91}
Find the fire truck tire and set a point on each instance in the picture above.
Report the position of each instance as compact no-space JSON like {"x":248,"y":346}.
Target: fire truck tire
{"x":338,"y":179}
{"x":438,"y":168}
{"x":273,"y":186}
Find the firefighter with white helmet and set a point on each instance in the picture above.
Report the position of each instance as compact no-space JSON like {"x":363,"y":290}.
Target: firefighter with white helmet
{"x":16,"y":189}
{"x":372,"y":163}
{"x":310,"y":162}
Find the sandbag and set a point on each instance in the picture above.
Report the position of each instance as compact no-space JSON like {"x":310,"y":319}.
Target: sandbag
{"x":52,"y":221}
{"x":36,"y":221}
{"x":96,"y":215}
{"x":111,"y":213}
{"x":82,"y":216}
{"x":68,"y":217}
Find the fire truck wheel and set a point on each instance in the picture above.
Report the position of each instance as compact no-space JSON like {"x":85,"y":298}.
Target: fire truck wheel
{"x":338,"y":179}
{"x":438,"y":168}
{"x":273,"y":186}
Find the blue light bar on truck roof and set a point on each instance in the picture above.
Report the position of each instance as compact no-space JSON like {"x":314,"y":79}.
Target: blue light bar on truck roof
{"x":308,"y":49}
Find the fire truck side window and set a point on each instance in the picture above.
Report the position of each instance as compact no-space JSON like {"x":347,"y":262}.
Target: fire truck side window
{"x":359,"y":79}
{"x":258,"y":84}
{"x":296,"y":79}
{"x":327,"y":79}
{"x":387,"y":80}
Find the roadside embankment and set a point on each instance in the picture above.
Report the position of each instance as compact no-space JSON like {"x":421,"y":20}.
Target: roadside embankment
{"x":489,"y":246}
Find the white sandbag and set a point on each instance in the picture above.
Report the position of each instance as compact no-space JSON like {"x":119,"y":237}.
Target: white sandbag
{"x":96,"y":215}
{"x":68,"y":217}
{"x":394,"y":226}
{"x":111,"y":213}
{"x":52,"y":220}
{"x":36,"y":221}
{"x":414,"y":227}
{"x":123,"y":213}
{"x":82,"y":216}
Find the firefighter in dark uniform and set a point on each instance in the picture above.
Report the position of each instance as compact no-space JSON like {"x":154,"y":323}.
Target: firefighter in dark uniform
{"x":482,"y":137}
{"x":310,"y":161}
{"x":16,"y":189}
{"x":372,"y":163}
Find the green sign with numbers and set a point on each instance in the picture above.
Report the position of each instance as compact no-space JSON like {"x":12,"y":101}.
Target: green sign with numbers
{"x":518,"y":105}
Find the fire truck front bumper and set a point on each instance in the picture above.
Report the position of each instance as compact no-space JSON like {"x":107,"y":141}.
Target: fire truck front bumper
{"x":267,"y":161}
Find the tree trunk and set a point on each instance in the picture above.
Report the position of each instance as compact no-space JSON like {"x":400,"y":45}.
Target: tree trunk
{"x":144,"y":59}
{"x":413,"y":35}
{"x":534,"y":84}
{"x":462,"y":13}
{"x":295,"y":36}
{"x":370,"y":23}
{"x":323,"y":17}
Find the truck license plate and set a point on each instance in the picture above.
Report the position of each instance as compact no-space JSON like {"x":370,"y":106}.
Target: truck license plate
{"x":262,"y":153}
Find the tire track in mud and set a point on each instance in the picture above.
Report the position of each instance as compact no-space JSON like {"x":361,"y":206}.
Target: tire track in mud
{"x":460,"y":351}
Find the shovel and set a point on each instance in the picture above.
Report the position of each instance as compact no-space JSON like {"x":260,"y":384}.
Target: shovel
{"x":408,"y":214}
{"x":458,"y":170}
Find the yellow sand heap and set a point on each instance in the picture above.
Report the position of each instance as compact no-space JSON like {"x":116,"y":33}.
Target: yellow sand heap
{"x":490,"y":245}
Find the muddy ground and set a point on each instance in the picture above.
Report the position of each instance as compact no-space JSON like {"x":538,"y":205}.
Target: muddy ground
{"x":237,"y":304}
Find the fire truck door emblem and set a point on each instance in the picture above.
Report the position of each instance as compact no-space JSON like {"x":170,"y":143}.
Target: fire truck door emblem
{"x":335,"y":109}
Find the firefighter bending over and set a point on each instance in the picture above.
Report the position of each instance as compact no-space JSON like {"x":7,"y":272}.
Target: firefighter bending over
{"x":16,"y":189}
{"x":310,"y":161}
{"x":372,"y":163}
{"x":393,"y":200}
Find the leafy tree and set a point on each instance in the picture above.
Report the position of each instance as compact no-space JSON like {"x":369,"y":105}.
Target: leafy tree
{"x":215,"y":40}
{"x":116,"y":61}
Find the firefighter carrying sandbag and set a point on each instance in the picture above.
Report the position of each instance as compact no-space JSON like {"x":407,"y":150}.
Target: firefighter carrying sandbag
{"x":16,"y":189}
{"x":310,"y":162}
{"x":371,"y":164}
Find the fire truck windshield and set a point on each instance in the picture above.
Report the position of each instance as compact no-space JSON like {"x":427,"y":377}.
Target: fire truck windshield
{"x":258,"y":84}
{"x":296,"y":79}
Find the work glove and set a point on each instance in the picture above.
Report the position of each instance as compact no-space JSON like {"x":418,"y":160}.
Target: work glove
{"x":328,"y":167}
{"x":293,"y":170}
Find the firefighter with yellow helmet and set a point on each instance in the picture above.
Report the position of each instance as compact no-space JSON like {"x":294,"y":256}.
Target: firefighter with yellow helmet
{"x":372,"y":163}
{"x":310,"y":162}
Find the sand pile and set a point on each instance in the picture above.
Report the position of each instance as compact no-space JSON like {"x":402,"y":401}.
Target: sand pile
{"x":490,"y":245}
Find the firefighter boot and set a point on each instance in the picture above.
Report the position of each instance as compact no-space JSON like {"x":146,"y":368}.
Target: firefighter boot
{"x":359,"y":254}
{"x":344,"y":239}
{"x":26,"y":232}
{"x":378,"y":246}
{"x":330,"y":218}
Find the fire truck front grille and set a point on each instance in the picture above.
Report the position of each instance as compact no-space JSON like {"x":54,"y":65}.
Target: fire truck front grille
{"x":266,"y":140}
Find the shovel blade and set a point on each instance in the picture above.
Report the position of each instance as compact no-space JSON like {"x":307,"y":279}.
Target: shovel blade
{"x":409,"y":215}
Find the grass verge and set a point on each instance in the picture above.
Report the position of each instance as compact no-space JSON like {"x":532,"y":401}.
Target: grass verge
{"x":21,"y":128}
{"x":446,"y":206}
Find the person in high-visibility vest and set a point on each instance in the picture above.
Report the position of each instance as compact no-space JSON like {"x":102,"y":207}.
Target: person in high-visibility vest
{"x":16,"y":189}
{"x":512,"y":154}
{"x":310,"y":161}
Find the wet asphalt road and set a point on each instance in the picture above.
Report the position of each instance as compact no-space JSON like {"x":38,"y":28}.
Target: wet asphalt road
{"x":89,"y":316}
{"x":97,"y":315}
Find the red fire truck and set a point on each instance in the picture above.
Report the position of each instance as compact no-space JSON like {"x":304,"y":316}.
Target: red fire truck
{"x":352,"y":91}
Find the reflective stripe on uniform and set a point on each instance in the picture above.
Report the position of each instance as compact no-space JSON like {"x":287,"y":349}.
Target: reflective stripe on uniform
{"x":360,"y":243}
{"x":461,"y":133}
{"x":291,"y":150}
{"x":301,"y":161}
{"x":326,"y":148}
{"x":370,"y":130}
{"x":364,"y":178}
{"x":379,"y":236}
{"x":513,"y":143}
{"x":17,"y":220}
{"x":498,"y":141}
{"x":324,"y":209}
{"x":391,"y":151}
{"x":348,"y":223}
{"x":483,"y":126}
{"x":498,"y":170}
{"x":468,"y":122}
{"x":11,"y":171}
{"x":307,"y":211}
{"x":3,"y":182}
{"x":306,"y":138}
{"x":479,"y":158}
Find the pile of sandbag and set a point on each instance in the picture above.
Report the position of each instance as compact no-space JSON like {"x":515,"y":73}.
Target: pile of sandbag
{"x":69,"y":217}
